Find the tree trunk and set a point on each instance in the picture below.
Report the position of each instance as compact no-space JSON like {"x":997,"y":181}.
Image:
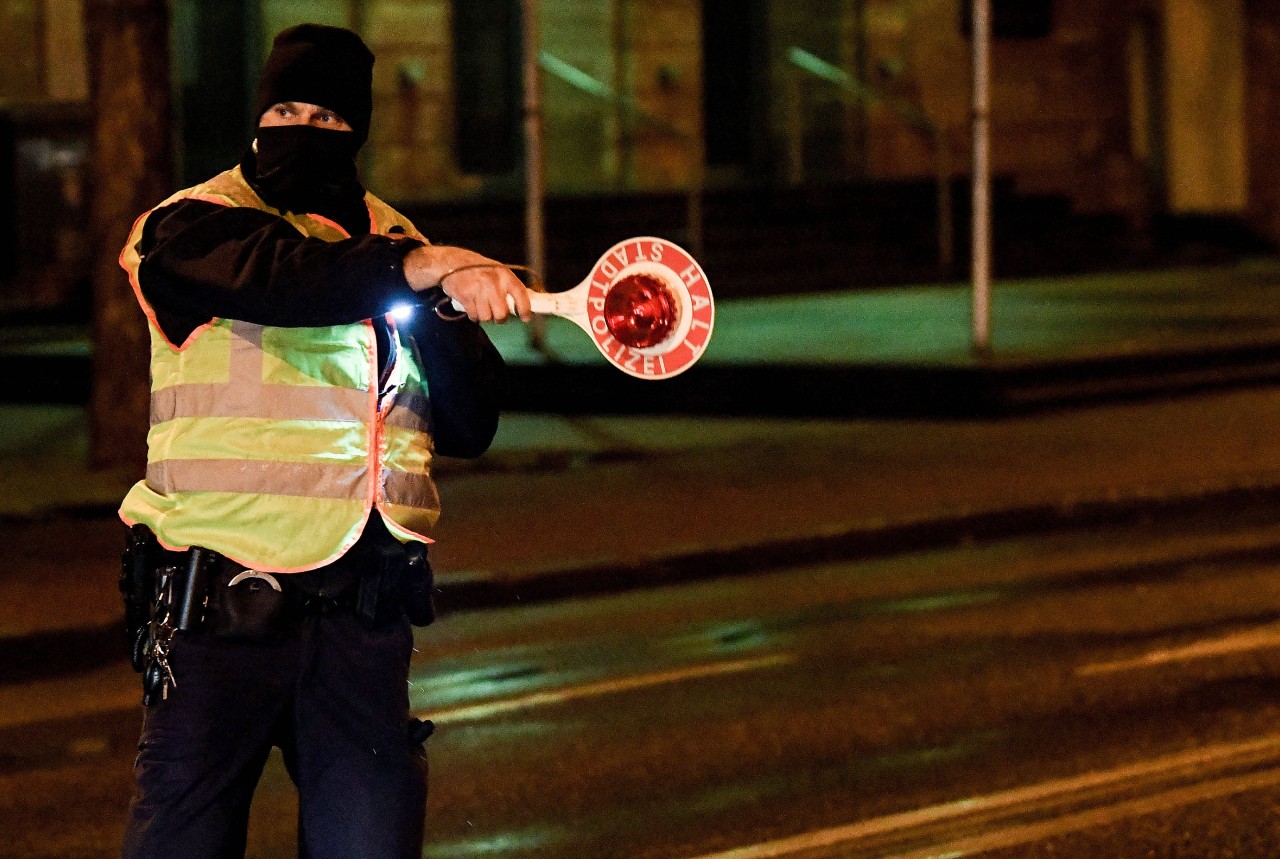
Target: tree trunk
{"x":132,"y":170}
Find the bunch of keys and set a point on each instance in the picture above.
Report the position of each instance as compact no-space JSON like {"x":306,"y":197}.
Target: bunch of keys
{"x":158,"y":676}
{"x":175,"y":611}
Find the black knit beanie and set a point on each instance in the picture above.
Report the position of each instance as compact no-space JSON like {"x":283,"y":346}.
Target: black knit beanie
{"x":327,"y":66}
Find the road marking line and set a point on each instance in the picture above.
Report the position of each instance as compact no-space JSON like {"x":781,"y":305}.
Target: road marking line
{"x":489,"y":709}
{"x":1259,"y":638}
{"x":1014,"y":836}
{"x":1191,"y":763}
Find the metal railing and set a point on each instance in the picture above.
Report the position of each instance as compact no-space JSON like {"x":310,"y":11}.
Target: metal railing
{"x":628,"y":107}
{"x":911,"y":114}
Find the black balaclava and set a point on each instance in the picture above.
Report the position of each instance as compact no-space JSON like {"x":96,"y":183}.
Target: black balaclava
{"x":301,"y":167}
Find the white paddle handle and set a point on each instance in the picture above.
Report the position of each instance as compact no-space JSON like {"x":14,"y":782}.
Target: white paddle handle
{"x":569,"y":304}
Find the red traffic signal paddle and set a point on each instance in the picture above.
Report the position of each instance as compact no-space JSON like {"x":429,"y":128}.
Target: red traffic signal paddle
{"x":646,"y":304}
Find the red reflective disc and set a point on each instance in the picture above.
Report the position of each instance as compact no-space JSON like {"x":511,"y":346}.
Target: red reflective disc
{"x":648,"y":308}
{"x":640,"y":311}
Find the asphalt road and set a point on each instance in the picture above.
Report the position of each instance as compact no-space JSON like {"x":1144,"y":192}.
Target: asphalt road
{"x":1100,"y":693}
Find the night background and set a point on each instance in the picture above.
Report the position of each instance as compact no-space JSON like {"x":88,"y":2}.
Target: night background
{"x":854,"y":585}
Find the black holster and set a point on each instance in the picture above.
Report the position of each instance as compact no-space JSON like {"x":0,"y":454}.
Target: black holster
{"x":417,"y":585}
{"x":400,"y":581}
{"x":137,"y":587}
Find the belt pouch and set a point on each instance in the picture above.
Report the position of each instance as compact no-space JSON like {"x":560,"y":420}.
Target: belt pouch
{"x":417,"y":586}
{"x":250,"y":610}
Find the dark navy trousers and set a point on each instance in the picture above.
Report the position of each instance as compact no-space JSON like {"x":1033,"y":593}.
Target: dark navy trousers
{"x":332,"y":695}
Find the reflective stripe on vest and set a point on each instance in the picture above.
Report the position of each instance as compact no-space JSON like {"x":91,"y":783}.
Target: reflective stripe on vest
{"x":271,"y":445}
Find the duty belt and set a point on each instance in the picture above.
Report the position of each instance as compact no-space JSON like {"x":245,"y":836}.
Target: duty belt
{"x":201,"y":572}
{"x":199,"y":590}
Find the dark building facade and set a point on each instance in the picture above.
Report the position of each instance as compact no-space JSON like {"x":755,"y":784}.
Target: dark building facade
{"x":1138,"y":108}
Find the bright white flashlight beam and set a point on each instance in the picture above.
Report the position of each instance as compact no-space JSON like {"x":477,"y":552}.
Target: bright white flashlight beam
{"x":401,"y":312}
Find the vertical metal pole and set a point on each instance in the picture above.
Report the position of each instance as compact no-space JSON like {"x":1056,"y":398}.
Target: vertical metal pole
{"x":697,"y":154}
{"x":355,"y":15}
{"x":534,"y":229}
{"x":624,"y":156}
{"x":862,"y":134}
{"x":795,"y":127}
{"x":981,"y":176}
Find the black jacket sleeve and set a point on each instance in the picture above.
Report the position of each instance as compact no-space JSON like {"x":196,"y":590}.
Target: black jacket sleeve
{"x":466,"y":378}
{"x":202,"y":261}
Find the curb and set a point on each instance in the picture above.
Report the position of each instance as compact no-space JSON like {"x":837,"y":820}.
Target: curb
{"x":76,"y":649}
{"x":813,"y":388}
{"x":474,"y":590}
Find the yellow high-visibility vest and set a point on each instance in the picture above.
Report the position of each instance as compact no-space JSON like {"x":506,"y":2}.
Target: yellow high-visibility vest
{"x":273,"y":445}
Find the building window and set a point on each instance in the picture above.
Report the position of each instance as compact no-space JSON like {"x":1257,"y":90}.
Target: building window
{"x":1013,"y":19}
{"x":487,"y":91}
{"x":733,"y":57}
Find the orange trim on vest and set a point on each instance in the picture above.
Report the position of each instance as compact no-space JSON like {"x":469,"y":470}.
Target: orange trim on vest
{"x":147,"y":309}
{"x":329,"y":222}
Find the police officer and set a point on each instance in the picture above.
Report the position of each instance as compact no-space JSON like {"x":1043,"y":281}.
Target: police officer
{"x":288,"y":489}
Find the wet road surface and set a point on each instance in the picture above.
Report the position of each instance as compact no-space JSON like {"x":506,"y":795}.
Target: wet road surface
{"x":1082,"y":693}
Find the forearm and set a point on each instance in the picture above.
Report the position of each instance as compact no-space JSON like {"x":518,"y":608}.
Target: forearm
{"x":486,"y":290}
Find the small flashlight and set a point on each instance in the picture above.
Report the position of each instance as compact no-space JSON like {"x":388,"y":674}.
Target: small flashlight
{"x":402,"y":312}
